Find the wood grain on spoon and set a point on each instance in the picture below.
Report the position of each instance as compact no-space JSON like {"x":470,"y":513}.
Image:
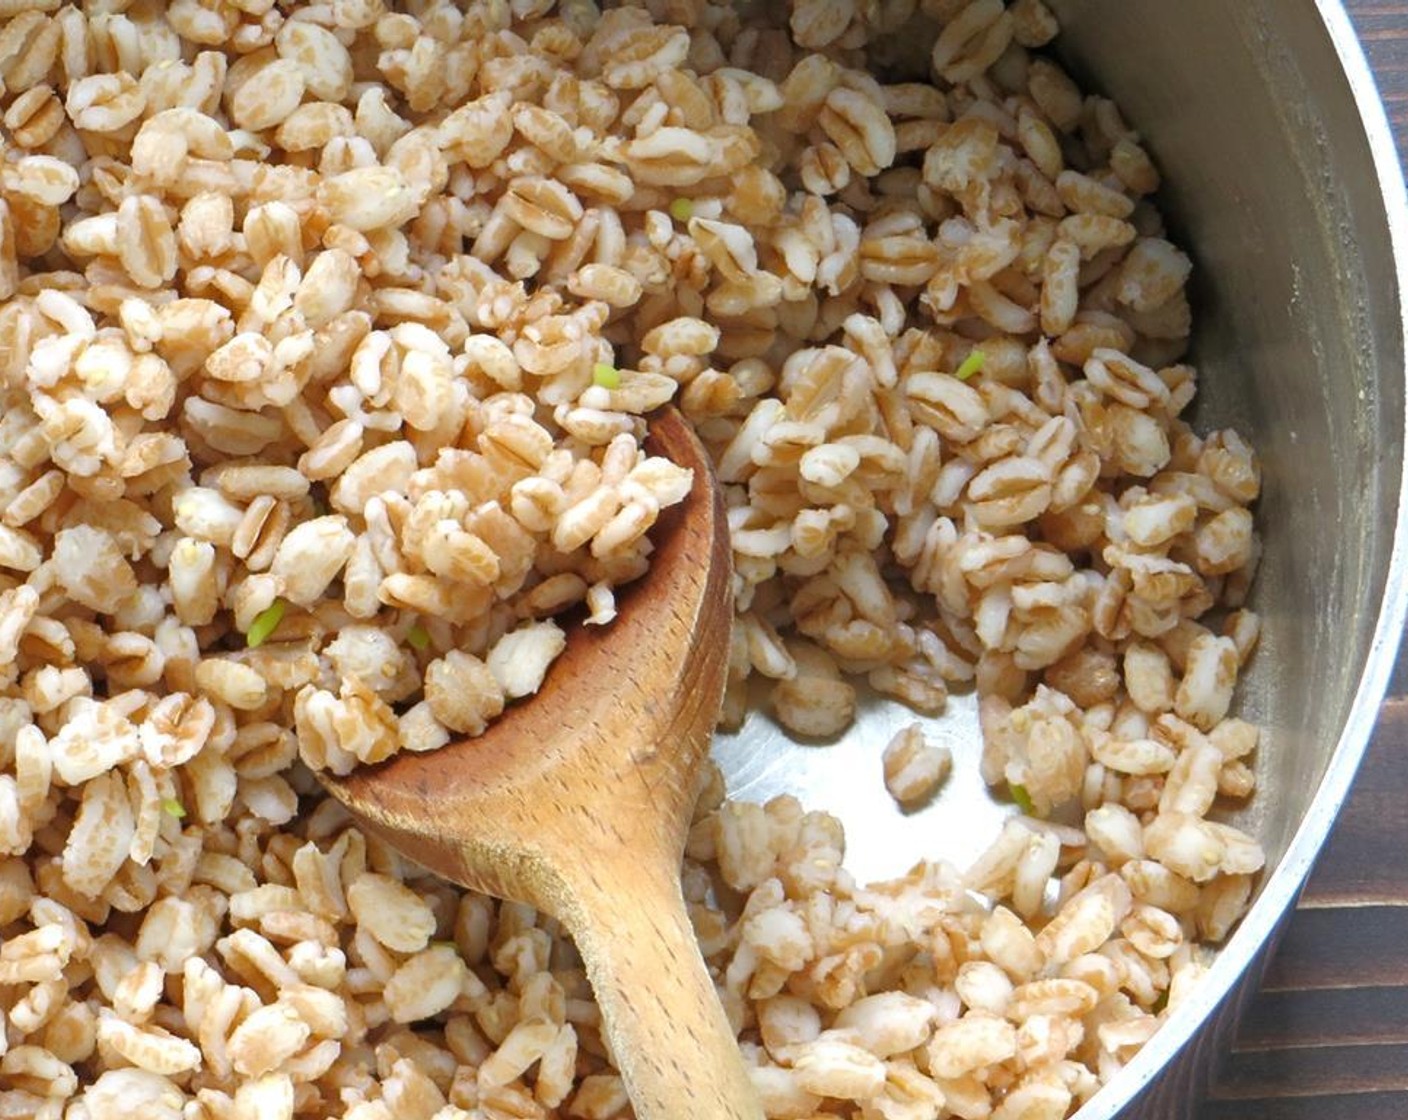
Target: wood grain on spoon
{"x":577,"y":801}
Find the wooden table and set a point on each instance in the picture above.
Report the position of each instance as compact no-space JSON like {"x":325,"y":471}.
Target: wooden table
{"x":1327,"y":1038}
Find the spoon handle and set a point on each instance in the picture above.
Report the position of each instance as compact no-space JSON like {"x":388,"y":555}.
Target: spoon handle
{"x":667,"y":1031}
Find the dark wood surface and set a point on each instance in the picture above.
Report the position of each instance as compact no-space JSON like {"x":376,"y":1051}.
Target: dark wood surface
{"x":1327,"y":1038}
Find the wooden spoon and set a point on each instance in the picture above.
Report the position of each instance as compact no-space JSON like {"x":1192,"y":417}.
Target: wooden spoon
{"x":578,"y":800}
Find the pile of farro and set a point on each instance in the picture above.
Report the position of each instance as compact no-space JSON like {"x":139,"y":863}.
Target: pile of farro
{"x":326,"y":331}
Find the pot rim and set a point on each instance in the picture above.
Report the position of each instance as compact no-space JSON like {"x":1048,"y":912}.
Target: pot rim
{"x":1284,"y":883}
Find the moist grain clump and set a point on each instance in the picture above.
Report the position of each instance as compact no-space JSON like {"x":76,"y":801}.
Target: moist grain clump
{"x":327,"y":335}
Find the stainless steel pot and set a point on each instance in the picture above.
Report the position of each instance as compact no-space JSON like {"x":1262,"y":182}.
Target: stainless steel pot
{"x":1282,"y":178}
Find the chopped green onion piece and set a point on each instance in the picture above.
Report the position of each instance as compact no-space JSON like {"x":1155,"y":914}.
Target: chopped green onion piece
{"x":173,"y":808}
{"x":265,"y":623}
{"x":418,"y":637}
{"x":1023,"y":800}
{"x":608,"y":377}
{"x":682,"y":209}
{"x":972,"y":364}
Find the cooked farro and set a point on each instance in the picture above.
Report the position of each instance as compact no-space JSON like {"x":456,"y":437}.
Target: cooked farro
{"x":326,"y":336}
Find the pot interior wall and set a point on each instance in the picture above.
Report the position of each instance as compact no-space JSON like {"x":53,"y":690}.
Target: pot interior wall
{"x":1268,"y":178}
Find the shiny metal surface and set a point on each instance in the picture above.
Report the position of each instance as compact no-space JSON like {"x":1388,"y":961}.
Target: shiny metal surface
{"x":1282,"y":178}
{"x":844,"y":779}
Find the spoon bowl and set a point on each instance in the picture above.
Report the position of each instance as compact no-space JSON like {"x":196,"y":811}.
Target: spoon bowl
{"x":577,"y":801}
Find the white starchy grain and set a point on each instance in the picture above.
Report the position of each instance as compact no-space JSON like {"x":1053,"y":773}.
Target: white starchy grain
{"x":1209,"y":674}
{"x":463,"y":692}
{"x":913,"y":768}
{"x":830,"y":1067}
{"x":887,"y":1023}
{"x":426,"y":984}
{"x":780,"y":935}
{"x":327,"y":335}
{"x":1086,"y":921}
{"x":266,"y":1039}
{"x":983,"y":986}
{"x":390,"y":912}
{"x":520,"y":659}
{"x":968,"y":1044}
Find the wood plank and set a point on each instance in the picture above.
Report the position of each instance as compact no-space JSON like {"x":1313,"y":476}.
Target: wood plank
{"x":1357,"y":866}
{"x":1322,"y":949}
{"x":1293,"y":1020}
{"x":1383,"y":29}
{"x":1356,"y":1106}
{"x":1319,"y":1072}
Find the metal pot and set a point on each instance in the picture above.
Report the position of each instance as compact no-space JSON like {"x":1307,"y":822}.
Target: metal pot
{"x":1282,"y":178}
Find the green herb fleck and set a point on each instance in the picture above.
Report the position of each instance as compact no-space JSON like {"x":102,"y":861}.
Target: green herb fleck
{"x":1023,"y":800}
{"x":682,"y":209}
{"x":972,"y":364}
{"x":1160,"y":1004}
{"x":419,"y":638}
{"x":265,"y":623}
{"x":173,"y":808}
{"x":607,"y":376}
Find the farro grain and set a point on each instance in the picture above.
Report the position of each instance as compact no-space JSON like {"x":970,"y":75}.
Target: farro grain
{"x":304,"y":313}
